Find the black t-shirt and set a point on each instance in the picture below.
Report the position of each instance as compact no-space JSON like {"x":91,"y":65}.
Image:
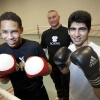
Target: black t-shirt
{"x":21,"y":83}
{"x":53,"y":39}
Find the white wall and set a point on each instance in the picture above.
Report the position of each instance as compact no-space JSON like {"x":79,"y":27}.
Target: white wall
{"x":34,"y":12}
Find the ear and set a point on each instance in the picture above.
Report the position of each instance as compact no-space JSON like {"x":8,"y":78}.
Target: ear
{"x":59,"y":17}
{"x":21,"y":30}
{"x":68,"y":32}
{"x":90,"y":31}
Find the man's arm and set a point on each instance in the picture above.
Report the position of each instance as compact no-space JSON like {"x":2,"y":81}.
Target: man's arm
{"x":87,"y":59}
{"x":50,"y":68}
{"x":62,"y":59}
{"x":97,"y":92}
{"x":4,"y":79}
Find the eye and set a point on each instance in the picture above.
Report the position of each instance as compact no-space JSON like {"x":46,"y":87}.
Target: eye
{"x":14,"y":32}
{"x":82,"y":29}
{"x":49,"y":18}
{"x":54,"y":17}
{"x":72,"y":29}
{"x":4,"y":32}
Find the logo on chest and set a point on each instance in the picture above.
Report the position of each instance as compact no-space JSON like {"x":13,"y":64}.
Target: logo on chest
{"x":54,"y":41}
{"x":21,"y":64}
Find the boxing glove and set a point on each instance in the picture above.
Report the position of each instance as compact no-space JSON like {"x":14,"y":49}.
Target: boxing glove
{"x":87,"y":59}
{"x":61,"y":57}
{"x":36,"y":66}
{"x":7,"y":64}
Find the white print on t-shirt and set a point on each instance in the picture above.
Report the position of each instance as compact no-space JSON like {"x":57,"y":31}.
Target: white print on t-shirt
{"x":54,"y":38}
{"x":22,"y":59}
{"x":21,"y":64}
{"x":54,"y":41}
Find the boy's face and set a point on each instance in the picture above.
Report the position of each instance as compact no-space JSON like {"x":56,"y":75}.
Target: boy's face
{"x":10,"y":32}
{"x":79,"y":34}
{"x":53,"y":19}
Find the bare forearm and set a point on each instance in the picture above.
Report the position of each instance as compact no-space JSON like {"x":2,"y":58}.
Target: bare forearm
{"x":97,"y":92}
{"x":50,"y":68}
{"x":4,"y":80}
{"x":65,"y":70}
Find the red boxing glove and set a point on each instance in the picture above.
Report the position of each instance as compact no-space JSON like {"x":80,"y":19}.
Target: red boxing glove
{"x":36,"y":66}
{"x":7,"y":64}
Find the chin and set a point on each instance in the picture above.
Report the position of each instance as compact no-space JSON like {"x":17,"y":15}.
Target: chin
{"x":12,"y":46}
{"x":78,"y":44}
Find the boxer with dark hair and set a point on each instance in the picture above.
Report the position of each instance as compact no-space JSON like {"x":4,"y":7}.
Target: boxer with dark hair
{"x":84,"y":58}
{"x":30,"y":65}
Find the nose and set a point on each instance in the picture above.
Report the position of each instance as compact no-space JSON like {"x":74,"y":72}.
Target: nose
{"x":77,"y":33}
{"x":10,"y":35}
{"x":51,"y":19}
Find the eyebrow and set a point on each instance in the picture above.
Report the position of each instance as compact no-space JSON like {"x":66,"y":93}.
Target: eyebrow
{"x":79,"y":27}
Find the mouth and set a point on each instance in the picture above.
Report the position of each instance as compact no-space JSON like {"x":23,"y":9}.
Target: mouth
{"x":53,"y":23}
{"x":11,"y":42}
{"x":77,"y":39}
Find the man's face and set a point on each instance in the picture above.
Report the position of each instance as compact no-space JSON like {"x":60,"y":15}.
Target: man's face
{"x":53,"y":19}
{"x":79,"y":34}
{"x":10,"y":32}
